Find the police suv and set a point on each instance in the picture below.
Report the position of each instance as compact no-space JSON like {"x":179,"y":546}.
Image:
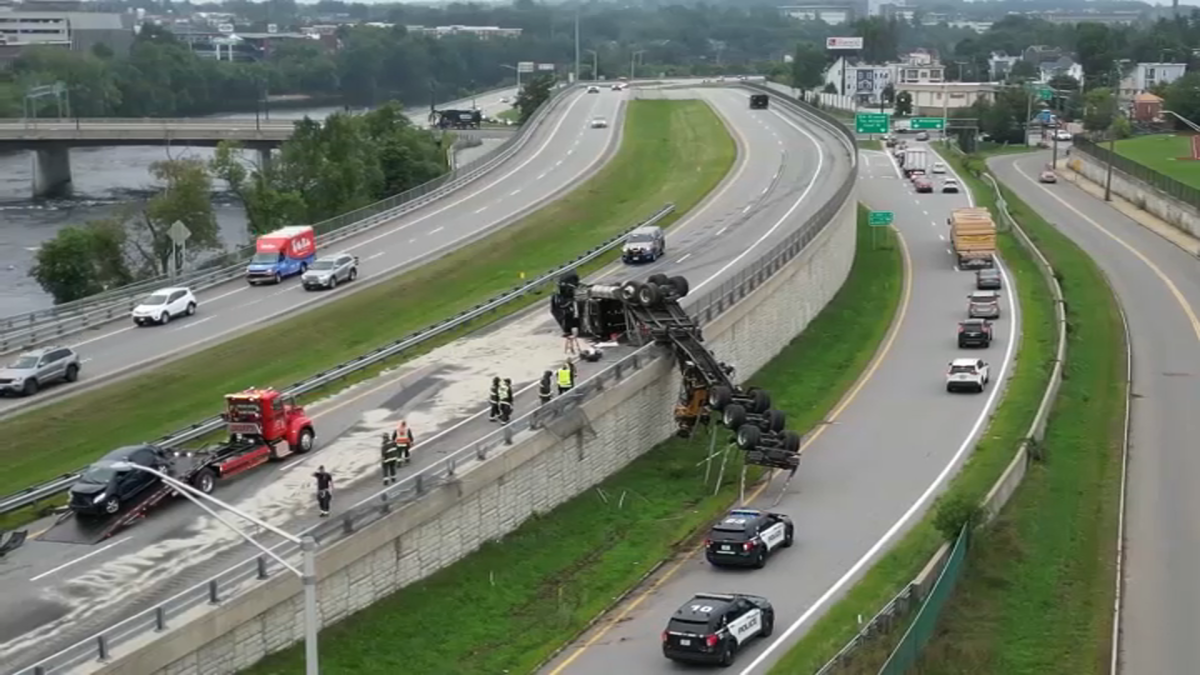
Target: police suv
{"x":747,"y":537}
{"x":711,"y":627}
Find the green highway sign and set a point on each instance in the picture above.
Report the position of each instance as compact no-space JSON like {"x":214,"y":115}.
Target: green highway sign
{"x":872,"y":123}
{"x":927,"y":123}
{"x":1045,"y":93}
{"x":881,"y":218}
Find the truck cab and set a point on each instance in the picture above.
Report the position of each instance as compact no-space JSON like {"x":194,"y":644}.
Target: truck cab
{"x":283,"y":253}
{"x":269,"y":417}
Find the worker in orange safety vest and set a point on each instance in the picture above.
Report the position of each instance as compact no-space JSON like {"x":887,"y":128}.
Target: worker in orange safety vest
{"x":403,"y":438}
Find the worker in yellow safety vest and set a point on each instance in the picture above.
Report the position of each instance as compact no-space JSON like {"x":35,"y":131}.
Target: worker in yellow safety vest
{"x":566,"y":378}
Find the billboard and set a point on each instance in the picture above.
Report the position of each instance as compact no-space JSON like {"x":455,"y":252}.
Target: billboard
{"x":525,"y":66}
{"x":844,"y":43}
{"x":545,"y":66}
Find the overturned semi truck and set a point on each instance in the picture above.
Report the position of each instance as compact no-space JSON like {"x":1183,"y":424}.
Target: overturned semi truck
{"x":640,"y":312}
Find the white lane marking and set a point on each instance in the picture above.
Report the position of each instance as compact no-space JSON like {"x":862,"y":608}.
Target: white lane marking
{"x":191,"y":324}
{"x":435,"y":231}
{"x":541,"y":175}
{"x":685,"y":257}
{"x":942,"y":237}
{"x":721,"y":231}
{"x":481,"y":209}
{"x":868,"y":557}
{"x":376,"y":255}
{"x":803,"y":197}
{"x":80,"y":559}
{"x":748,"y":207}
{"x":515,"y":192}
{"x":103,"y":337}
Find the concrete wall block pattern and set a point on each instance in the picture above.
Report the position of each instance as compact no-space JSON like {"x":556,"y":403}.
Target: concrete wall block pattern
{"x":1183,"y":216}
{"x":493,"y":498}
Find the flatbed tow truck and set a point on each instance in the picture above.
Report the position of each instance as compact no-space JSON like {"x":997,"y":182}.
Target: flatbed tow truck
{"x":260,"y":422}
{"x":649,"y":311}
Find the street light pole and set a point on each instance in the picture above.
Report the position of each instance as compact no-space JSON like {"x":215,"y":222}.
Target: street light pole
{"x":595,"y":64}
{"x":308,"y":548}
{"x":1112,"y":151}
{"x":633,"y":60}
{"x":576,"y":44}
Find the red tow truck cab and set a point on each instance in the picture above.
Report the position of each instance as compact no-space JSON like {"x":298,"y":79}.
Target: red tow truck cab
{"x":266,"y":417}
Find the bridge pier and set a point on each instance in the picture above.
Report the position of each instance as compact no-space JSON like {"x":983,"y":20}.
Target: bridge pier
{"x":52,"y":171}
{"x":264,"y":158}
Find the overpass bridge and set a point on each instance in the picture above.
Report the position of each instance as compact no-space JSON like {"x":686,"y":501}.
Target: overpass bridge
{"x":51,"y":140}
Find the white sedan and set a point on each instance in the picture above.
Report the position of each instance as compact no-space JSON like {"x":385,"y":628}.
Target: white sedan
{"x":163,"y":305}
{"x":599,"y":123}
{"x":939,"y":167}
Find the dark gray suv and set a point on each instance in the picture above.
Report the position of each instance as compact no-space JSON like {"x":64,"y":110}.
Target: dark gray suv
{"x":30,"y":371}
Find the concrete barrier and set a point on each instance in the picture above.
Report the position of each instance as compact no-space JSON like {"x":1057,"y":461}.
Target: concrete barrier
{"x":1183,"y":216}
{"x":541,"y":470}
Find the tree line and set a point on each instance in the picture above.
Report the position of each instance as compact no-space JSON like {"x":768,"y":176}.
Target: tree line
{"x":325,"y":169}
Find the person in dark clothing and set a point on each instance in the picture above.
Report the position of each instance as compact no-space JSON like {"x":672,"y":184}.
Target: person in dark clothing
{"x":544,"y":387}
{"x":391,"y":458}
{"x":324,"y":490}
{"x":494,"y":400}
{"x":506,"y":400}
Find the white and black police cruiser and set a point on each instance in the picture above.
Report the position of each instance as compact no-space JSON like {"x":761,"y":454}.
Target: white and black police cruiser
{"x":712,"y":627}
{"x":747,"y":537}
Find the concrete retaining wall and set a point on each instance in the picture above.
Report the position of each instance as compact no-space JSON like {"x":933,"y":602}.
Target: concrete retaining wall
{"x":1176,"y":213}
{"x":536,"y":474}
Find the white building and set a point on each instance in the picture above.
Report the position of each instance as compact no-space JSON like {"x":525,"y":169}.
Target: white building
{"x":483,"y":32}
{"x":1000,"y":65}
{"x":24,"y":28}
{"x":1145,"y":76}
{"x":945,"y":98}
{"x":865,"y":82}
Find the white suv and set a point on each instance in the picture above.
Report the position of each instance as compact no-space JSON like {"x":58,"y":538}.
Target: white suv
{"x":968,"y":374}
{"x":163,"y":305}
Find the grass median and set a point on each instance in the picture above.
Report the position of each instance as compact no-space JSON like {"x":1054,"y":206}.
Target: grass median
{"x":1037,"y":592}
{"x":987,"y":462}
{"x":672,"y":151}
{"x":513,"y":603}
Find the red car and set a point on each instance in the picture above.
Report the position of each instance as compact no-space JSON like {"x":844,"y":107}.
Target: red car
{"x":923,"y":184}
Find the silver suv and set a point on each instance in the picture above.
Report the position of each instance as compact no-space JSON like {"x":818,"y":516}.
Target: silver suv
{"x":31,"y":370}
{"x":327,"y":271}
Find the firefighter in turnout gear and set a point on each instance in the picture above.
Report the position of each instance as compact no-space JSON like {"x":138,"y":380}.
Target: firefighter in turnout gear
{"x":544,"y":387}
{"x":506,"y":400}
{"x":391,"y":459}
{"x":402,"y":437}
{"x":494,"y":400}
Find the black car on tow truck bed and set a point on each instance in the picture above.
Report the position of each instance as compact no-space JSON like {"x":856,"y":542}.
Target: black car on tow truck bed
{"x":747,"y":537}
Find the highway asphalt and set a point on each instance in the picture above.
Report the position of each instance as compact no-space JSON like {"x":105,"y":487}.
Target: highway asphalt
{"x":67,"y":591}
{"x":1159,"y":287}
{"x":564,"y":151}
{"x":865,"y":474}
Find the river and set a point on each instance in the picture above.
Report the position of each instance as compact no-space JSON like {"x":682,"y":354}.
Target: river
{"x":105,"y":179}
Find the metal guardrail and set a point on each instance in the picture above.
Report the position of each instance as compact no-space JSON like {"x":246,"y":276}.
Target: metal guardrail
{"x":68,"y":319}
{"x":207,"y":426}
{"x":240,"y":578}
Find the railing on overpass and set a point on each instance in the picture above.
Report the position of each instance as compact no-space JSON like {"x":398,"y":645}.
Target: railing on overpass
{"x":244,"y":576}
{"x":55,"y":323}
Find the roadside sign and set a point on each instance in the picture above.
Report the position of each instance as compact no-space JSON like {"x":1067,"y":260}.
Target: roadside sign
{"x":881,"y":218}
{"x":179,"y":233}
{"x":843,"y":43}
{"x":1045,"y":93}
{"x":927,"y":123}
{"x":872,"y":123}
{"x":525,"y":66}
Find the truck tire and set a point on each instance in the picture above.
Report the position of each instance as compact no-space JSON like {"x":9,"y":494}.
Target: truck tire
{"x":305,"y":441}
{"x":791,"y":441}
{"x":681,"y":285}
{"x":630,"y":290}
{"x":761,"y":400}
{"x":649,"y":295}
{"x":748,"y":436}
{"x":733,"y":417}
{"x":658,"y":280}
{"x":719,"y":397}
{"x":776,"y":420}
{"x":205,"y":481}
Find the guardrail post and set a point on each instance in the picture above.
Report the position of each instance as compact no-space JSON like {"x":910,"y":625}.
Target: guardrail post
{"x":385,"y":505}
{"x":160,"y":619}
{"x":420,"y":483}
{"x":214,"y":594}
{"x":450,"y":467}
{"x":101,"y":648}
{"x":262,"y":567}
{"x":508,"y":436}
{"x":38,"y":670}
{"x":480,"y":452}
{"x":347,"y":524}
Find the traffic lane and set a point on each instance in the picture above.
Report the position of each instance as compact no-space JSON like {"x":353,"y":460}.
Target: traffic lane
{"x":236,"y":306}
{"x":1162,"y":543}
{"x":812,"y":164}
{"x":841,"y":511}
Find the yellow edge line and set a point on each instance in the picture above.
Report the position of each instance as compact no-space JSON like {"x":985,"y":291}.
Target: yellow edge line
{"x":837,"y":410}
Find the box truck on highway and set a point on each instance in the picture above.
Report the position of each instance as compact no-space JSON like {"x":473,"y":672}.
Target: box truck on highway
{"x":282,"y":253}
{"x":915,"y":159}
{"x":973,"y":236}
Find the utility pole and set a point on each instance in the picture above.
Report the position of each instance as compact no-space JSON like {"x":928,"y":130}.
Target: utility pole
{"x":577,"y":45}
{"x":633,"y":61}
{"x":1112,"y":152}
